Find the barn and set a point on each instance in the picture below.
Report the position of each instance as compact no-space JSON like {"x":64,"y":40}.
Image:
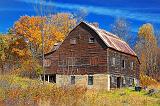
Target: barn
{"x":92,"y":57}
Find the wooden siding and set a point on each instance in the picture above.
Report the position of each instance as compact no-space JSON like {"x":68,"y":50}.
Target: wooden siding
{"x":90,"y":58}
{"x":117,"y":69}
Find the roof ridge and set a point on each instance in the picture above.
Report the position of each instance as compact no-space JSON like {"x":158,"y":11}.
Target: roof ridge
{"x":107,"y":32}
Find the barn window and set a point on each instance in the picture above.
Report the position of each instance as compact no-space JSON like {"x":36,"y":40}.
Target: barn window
{"x":71,"y":61}
{"x":130,"y":81}
{"x":47,"y":62}
{"x":91,"y":40}
{"x":113,"y":79}
{"x":123,"y":63}
{"x":132,"y":65}
{"x":93,"y":61}
{"x":73,"y":41}
{"x":124,"y":80}
{"x":72,"y":79}
{"x":113,"y":61}
{"x":90,"y":80}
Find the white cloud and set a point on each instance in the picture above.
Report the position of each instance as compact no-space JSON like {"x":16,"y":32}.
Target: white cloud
{"x":126,"y":13}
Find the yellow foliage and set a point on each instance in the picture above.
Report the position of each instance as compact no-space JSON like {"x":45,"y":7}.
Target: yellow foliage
{"x":146,"y":49}
{"x":147,"y":32}
{"x":19,"y":52}
{"x":147,"y":81}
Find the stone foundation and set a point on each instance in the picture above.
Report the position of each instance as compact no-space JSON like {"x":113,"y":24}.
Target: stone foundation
{"x":100,"y":81}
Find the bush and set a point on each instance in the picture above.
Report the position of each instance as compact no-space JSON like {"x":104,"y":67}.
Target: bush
{"x":147,"y":81}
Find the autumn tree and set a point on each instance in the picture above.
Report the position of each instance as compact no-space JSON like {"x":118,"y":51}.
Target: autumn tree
{"x":29,"y":28}
{"x":55,"y":30}
{"x":3,"y":48}
{"x":146,"y":49}
{"x":42,"y":31}
{"x":157,"y":34}
{"x":121,"y":28}
{"x":13,"y":52}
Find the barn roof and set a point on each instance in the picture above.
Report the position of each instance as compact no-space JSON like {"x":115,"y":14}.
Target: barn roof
{"x":112,"y":40}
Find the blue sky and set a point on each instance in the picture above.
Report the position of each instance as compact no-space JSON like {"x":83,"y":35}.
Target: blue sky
{"x":137,"y":12}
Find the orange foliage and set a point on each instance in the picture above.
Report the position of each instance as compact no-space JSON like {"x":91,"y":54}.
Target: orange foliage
{"x":18,"y":48}
{"x":147,"y":81}
{"x":53,"y":29}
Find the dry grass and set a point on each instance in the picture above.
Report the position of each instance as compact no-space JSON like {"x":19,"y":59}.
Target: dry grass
{"x":16,"y":91}
{"x":121,"y":97}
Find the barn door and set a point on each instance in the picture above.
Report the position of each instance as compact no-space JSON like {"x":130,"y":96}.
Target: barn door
{"x":118,"y":82}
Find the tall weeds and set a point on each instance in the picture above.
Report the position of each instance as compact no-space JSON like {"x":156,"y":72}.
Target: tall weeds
{"x":16,"y":91}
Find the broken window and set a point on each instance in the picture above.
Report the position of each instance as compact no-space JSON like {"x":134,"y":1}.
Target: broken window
{"x":132,"y":65}
{"x":52,"y":78}
{"x":47,"y":62}
{"x":91,"y":40}
{"x":72,"y":79}
{"x":113,"y":79}
{"x":124,"y":80}
{"x":123,"y":63}
{"x":131,"y":81}
{"x":73,"y":41}
{"x":90,"y":79}
{"x":113,"y":61}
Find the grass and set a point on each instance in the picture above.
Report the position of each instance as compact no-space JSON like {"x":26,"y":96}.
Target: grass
{"x":123,"y":97}
{"x":17,"y":91}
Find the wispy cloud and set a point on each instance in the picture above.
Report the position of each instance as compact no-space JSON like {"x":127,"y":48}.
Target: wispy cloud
{"x":126,"y":13}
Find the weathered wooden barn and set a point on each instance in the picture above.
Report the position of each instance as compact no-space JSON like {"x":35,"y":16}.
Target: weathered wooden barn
{"x":92,"y":57}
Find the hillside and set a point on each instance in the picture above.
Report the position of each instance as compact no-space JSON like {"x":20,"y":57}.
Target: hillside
{"x":17,"y":91}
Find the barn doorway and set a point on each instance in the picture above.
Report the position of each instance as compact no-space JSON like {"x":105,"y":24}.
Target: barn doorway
{"x":49,"y":78}
{"x":118,"y":82}
{"x":52,"y":78}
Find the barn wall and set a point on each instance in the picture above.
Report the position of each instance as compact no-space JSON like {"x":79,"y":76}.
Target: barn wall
{"x":90,"y":57}
{"x":118,"y":71}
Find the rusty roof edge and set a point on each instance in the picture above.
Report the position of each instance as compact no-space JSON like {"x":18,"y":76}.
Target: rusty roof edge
{"x":94,"y":28}
{"x":126,"y":54}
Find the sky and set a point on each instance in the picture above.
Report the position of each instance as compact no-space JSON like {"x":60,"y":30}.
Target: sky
{"x":136,"y":12}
